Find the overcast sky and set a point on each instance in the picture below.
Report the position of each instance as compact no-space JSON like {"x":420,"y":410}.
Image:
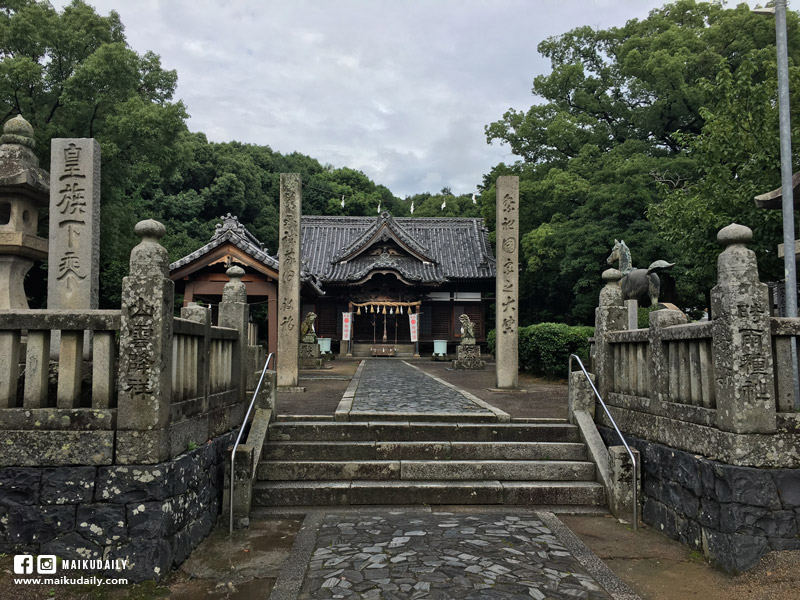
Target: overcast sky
{"x":399,"y":89}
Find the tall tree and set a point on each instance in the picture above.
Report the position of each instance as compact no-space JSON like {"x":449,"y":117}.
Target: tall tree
{"x":72,"y":74}
{"x":613,"y":134}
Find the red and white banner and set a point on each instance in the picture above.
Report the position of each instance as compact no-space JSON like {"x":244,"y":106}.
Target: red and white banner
{"x":413,"y":324}
{"x":347,"y":322}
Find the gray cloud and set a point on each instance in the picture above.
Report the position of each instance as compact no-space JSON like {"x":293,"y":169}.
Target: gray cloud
{"x":398,"y":89}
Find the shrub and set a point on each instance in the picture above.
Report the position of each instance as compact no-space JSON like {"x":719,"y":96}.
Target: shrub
{"x":544,"y":348}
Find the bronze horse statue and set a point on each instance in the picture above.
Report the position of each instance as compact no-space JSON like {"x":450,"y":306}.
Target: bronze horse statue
{"x":637,"y":284}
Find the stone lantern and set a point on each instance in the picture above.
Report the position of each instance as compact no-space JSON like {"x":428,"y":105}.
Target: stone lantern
{"x":24,"y":188}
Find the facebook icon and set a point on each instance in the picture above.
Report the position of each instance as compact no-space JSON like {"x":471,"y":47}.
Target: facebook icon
{"x":23,"y":564}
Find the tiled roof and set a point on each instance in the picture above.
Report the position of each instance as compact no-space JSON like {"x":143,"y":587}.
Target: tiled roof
{"x":230,"y":230}
{"x":457,"y":248}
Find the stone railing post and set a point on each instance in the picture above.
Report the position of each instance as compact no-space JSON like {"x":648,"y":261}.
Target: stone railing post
{"x":742,"y":344}
{"x":611,"y":315}
{"x":201,"y":314}
{"x":145,"y":352}
{"x":659,"y":368}
{"x":234,"y":313}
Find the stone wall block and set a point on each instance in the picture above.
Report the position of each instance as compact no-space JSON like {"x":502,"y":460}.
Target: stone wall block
{"x":148,"y":558}
{"x":731,"y":551}
{"x":685,"y":472}
{"x":742,"y":352}
{"x":745,"y":485}
{"x":68,"y":485}
{"x":788,"y":483}
{"x":709,"y":513}
{"x":104,"y":524}
{"x":149,"y":520}
{"x":29,"y":526}
{"x":19,"y":486}
{"x":72,"y":546}
{"x":141,"y":483}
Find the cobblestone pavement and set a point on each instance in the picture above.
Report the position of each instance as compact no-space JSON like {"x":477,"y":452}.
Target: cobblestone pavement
{"x":393,"y":386}
{"x":443,"y":556}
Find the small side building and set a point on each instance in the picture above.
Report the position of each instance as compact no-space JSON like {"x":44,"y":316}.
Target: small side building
{"x":200,"y":276}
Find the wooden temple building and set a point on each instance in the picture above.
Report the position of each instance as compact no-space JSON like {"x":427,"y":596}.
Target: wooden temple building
{"x":379,"y":269}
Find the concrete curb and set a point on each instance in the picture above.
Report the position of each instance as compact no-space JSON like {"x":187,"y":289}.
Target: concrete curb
{"x":342,"y":413}
{"x":290,"y":581}
{"x":590,"y":561}
{"x":501,"y":416}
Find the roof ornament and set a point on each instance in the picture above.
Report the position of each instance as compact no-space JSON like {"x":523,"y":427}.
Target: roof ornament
{"x":231,"y":223}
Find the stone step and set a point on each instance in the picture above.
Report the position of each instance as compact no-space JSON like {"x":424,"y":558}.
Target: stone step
{"x":447,"y":417}
{"x":342,"y":493}
{"x":422,"y":431}
{"x":423,"y":451}
{"x":427,"y":470}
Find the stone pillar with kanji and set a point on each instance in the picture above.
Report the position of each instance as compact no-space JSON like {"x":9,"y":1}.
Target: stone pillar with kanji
{"x":507,"y":285}
{"x":742,"y":351}
{"x":145,"y":352}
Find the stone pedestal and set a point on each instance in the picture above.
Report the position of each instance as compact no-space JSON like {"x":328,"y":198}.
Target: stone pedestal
{"x":468,"y":358}
{"x":611,"y":315}
{"x":309,"y":356}
{"x":234,"y":313}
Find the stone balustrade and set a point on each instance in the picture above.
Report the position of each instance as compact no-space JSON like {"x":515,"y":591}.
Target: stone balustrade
{"x":709,"y":407}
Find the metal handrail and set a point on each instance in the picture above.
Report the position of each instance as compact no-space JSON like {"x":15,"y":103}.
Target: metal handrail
{"x":619,"y":433}
{"x":241,"y":431}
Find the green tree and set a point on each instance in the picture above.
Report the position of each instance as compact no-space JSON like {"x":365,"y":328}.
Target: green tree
{"x":71,"y":74}
{"x":618,"y":128}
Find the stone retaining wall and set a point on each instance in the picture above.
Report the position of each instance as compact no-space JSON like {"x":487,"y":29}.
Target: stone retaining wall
{"x":733,"y":514}
{"x":153,"y":515}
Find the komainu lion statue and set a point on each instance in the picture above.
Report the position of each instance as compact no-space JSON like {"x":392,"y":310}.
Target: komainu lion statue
{"x":467,"y":330}
{"x":307,"y":333}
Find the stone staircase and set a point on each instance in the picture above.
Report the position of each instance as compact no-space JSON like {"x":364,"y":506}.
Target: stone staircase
{"x":307,"y":463}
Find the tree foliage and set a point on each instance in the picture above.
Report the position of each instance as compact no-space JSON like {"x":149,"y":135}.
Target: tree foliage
{"x":644,"y":119}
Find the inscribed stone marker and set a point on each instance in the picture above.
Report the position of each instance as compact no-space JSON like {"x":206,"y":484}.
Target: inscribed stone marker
{"x":289,"y":277}
{"x":507,"y":286}
{"x":74,"y":252}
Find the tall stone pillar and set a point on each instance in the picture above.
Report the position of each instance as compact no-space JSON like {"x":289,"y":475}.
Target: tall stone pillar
{"x":742,"y":351}
{"x":74,"y":253}
{"x":610,"y":315}
{"x":507,"y":286}
{"x":145,"y":352}
{"x":23,"y":191}
{"x":235,"y":314}
{"x":289,"y":280}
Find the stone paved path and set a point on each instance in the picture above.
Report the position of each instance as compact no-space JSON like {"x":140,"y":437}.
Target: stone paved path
{"x":395,"y":555}
{"x":392,"y":386}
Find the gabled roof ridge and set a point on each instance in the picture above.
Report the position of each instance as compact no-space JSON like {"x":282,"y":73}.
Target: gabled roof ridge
{"x":397,"y":231}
